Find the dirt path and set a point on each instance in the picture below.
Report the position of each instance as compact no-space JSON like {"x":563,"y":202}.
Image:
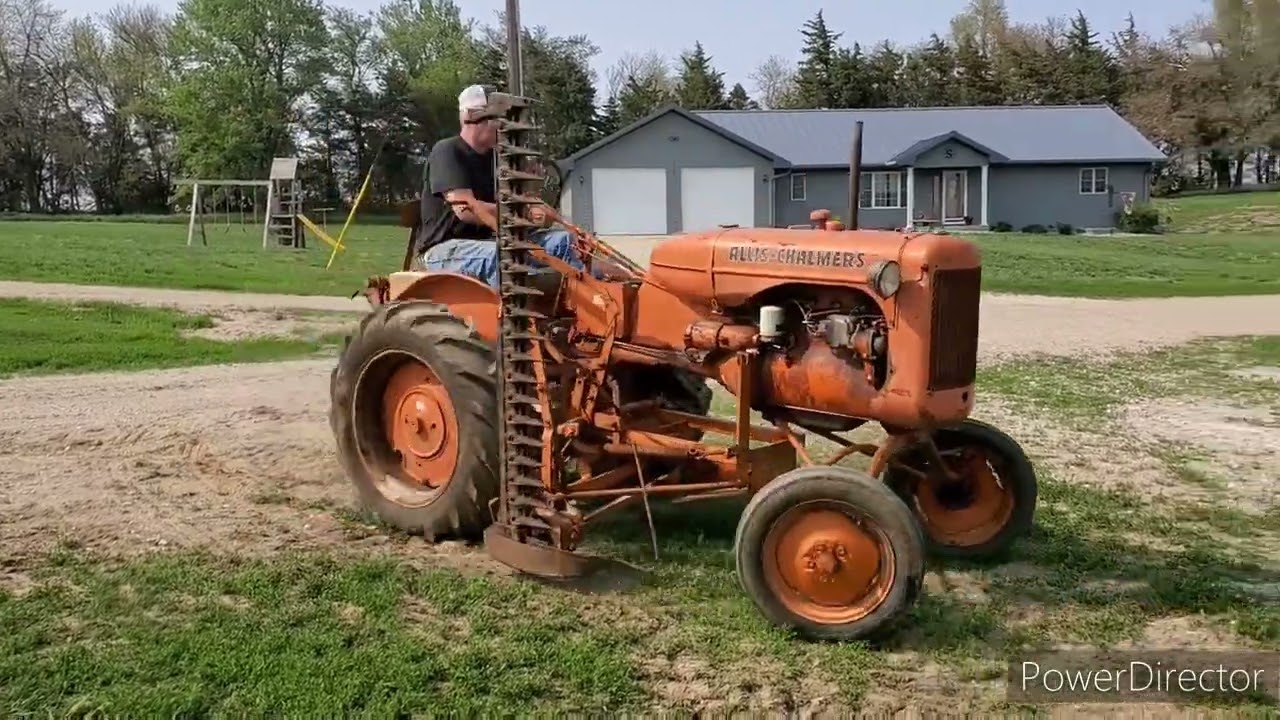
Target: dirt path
{"x":178,"y":458}
{"x":1010,"y":325}
{"x":233,"y":457}
{"x":192,"y":300}
{"x":190,"y":456}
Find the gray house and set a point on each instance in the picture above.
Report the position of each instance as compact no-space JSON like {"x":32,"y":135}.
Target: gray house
{"x":679,"y":171}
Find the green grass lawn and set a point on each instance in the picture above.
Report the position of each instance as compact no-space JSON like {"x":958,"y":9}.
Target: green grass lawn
{"x":1156,"y":266}
{"x":156,"y":255}
{"x":51,"y":337}
{"x":312,"y":635}
{"x":1245,"y":212}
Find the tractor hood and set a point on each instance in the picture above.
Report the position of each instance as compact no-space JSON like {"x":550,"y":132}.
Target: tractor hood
{"x":730,"y":265}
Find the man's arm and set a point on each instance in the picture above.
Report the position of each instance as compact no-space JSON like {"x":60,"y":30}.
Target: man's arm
{"x":448,"y":179}
{"x":465,"y":204}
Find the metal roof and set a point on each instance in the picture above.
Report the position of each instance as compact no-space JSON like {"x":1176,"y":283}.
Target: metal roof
{"x":1023,"y":134}
{"x":913,"y":153}
{"x":691,"y":117}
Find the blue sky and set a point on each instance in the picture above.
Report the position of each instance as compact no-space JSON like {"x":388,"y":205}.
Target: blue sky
{"x":740,"y":33}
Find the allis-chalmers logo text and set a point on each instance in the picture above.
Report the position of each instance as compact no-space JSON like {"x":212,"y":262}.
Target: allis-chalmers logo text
{"x":764,"y":254}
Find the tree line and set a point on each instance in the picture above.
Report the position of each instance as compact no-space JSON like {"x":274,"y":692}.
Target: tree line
{"x":108,"y":113}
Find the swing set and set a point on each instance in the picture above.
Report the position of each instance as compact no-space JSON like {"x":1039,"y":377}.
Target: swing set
{"x":282,"y":215}
{"x":219,"y":201}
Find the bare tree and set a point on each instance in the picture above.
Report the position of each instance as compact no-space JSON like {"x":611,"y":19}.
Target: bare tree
{"x":775,"y":82}
{"x":647,"y":68}
{"x":982,"y":22}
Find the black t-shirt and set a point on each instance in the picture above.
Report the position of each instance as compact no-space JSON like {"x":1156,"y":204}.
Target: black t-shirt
{"x":454,"y":165}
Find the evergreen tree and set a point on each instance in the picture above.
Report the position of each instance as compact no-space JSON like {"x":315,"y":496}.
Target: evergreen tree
{"x":700,"y":86}
{"x":1033,"y":67}
{"x":816,"y":78}
{"x":739,"y":100}
{"x":884,"y":77}
{"x":1091,"y":74}
{"x":607,"y":120}
{"x":975,"y":74}
{"x":929,"y":76}
{"x":1130,"y":57}
{"x":852,"y":81}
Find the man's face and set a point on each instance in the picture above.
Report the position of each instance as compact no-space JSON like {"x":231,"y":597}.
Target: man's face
{"x":487,"y":132}
{"x":482,"y":134}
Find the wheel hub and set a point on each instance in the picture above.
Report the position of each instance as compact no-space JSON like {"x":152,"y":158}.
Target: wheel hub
{"x":420,"y":425}
{"x":830,"y":566}
{"x":968,"y":511}
{"x":421,"y":429}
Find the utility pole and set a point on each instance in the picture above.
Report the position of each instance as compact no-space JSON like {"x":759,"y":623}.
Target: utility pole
{"x":515,"y":69}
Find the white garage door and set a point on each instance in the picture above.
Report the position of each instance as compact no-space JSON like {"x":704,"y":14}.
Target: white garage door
{"x":717,"y":196}
{"x":631,"y":201}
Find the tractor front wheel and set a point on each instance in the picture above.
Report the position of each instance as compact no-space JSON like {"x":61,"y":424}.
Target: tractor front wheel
{"x":988,"y":505}
{"x":414,"y":407}
{"x":830,"y":553}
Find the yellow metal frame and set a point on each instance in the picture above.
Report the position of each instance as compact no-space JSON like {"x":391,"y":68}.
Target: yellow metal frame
{"x":320,"y":233}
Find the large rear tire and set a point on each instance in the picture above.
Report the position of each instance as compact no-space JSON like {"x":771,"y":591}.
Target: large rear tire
{"x":830,"y":553}
{"x":414,"y":413}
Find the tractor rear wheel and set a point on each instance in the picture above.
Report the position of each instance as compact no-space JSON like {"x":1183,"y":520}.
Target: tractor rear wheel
{"x":830,"y":553}
{"x":414,"y":412}
{"x":989,"y":506}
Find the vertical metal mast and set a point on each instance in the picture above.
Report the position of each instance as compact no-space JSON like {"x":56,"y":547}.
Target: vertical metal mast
{"x":515,"y":69}
{"x":524,"y":533}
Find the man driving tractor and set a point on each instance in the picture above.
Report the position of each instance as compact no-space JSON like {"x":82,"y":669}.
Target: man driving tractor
{"x":454,"y":237}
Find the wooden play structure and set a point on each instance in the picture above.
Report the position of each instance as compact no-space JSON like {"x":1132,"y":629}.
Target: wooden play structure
{"x":284,"y":205}
{"x":281,"y":214}
{"x":282,"y":218}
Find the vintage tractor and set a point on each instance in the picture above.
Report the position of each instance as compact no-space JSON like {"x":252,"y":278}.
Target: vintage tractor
{"x":528,"y":414}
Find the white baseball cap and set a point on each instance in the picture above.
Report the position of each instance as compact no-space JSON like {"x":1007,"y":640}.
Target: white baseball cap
{"x":473,"y":98}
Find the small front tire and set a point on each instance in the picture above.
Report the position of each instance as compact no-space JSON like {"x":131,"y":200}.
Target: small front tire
{"x":830,"y":553}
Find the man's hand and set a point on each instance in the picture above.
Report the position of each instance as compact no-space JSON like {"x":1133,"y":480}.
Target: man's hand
{"x":538,"y":214}
{"x":470,"y":209}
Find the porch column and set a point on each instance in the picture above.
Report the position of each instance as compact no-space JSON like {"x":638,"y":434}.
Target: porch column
{"x":911,"y":197}
{"x":986,"y":196}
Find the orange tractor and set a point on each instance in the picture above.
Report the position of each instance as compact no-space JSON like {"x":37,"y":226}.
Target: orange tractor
{"x":526,"y":415}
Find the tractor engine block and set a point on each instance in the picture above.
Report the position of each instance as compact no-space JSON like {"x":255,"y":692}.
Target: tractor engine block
{"x":822,"y":361}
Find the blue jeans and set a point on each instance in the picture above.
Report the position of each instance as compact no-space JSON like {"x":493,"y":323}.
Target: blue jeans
{"x":479,"y":258}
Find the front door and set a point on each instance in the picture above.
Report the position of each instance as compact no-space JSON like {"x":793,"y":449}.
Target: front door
{"x":955,"y":196}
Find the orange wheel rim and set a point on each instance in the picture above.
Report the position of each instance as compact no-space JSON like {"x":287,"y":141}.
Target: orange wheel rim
{"x":970,"y":511}
{"x":419,"y":429}
{"x":827,"y":564}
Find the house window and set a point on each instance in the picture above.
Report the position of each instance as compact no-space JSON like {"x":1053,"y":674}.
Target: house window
{"x":1093,"y":181}
{"x":799,"y":187}
{"x":882,"y":190}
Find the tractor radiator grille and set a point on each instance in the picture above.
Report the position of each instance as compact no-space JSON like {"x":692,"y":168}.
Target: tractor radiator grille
{"x":953,"y":341}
